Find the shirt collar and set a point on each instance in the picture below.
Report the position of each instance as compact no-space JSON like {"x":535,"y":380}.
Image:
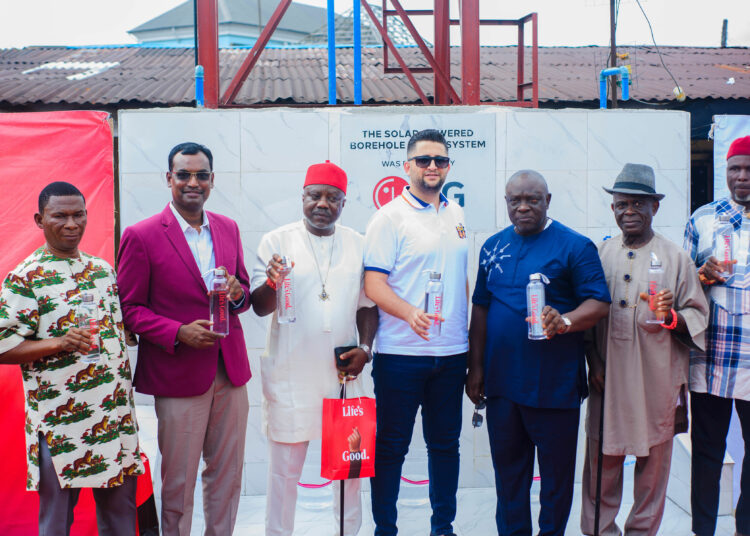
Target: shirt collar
{"x":185,"y":226}
{"x":736,"y":206}
{"x":416,"y":202}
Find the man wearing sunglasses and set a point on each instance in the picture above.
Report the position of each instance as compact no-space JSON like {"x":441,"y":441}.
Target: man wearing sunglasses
{"x":418,"y":232}
{"x":197,"y":376}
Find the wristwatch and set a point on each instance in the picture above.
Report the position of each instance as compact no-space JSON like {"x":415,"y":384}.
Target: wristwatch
{"x":367,"y":350}
{"x":567,"y":322}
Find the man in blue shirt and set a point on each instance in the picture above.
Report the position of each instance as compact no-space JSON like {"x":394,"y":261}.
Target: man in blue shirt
{"x":533,"y":388}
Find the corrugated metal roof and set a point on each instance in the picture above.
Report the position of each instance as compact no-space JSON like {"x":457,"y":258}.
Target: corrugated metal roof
{"x":164,"y":76}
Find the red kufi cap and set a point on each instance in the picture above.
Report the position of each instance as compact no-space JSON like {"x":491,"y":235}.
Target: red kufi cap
{"x":740,"y":146}
{"x":328,"y":174}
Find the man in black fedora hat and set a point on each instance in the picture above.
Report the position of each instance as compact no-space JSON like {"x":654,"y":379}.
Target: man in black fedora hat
{"x":646,"y":363}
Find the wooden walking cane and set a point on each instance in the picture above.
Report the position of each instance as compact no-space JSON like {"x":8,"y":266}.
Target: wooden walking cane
{"x":342,"y":395}
{"x":597,"y":504}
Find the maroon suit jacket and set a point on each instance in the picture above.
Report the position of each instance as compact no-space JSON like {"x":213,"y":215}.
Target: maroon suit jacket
{"x":161,"y":289}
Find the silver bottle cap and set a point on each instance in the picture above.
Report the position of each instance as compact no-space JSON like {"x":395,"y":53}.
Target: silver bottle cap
{"x":655,"y":262}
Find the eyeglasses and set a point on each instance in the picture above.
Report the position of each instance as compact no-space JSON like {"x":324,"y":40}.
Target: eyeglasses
{"x":441,"y":162}
{"x":184,"y":176}
{"x":477,"y":419}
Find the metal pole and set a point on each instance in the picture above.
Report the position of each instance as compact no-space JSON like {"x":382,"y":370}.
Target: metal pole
{"x":195,"y":31}
{"x":470,"y":80}
{"x":442,"y":49}
{"x":357,"y":58}
{"x":208,"y":49}
{"x":331,"y":54}
{"x":612,"y":51}
{"x":341,"y":510}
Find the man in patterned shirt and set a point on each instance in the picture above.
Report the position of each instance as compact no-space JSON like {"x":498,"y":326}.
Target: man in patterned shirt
{"x":80,"y":418}
{"x":721,"y":375}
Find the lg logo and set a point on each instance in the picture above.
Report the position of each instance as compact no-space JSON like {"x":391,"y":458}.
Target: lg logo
{"x":458,"y":196}
{"x":389,"y":188}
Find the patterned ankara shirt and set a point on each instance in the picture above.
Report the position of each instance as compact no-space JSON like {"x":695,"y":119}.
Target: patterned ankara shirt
{"x":85,"y":411}
{"x":724,"y":368}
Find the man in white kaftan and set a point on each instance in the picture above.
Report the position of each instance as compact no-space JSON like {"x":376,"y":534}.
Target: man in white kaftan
{"x":298,"y":367}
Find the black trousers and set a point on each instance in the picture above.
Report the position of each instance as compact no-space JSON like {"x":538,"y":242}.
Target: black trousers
{"x":711,"y":416}
{"x":516,"y":433}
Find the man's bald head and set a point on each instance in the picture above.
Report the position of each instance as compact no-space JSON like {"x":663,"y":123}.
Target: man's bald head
{"x":527,"y":198}
{"x":527,"y":175}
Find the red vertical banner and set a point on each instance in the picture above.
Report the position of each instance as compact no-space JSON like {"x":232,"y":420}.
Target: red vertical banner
{"x":42,"y":147}
{"x":36,"y":149}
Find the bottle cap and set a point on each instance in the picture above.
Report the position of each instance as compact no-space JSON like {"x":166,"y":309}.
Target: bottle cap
{"x":539,"y":277}
{"x":434,"y":276}
{"x":724,"y":218}
{"x":87,"y":297}
{"x":220,"y":272}
{"x":655,"y":262}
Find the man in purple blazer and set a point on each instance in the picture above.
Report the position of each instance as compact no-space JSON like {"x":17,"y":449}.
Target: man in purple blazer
{"x":197,"y":377}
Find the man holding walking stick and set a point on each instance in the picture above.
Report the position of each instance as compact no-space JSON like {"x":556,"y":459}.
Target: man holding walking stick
{"x":644,"y":346}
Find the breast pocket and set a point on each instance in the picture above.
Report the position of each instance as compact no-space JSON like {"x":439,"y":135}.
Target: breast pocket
{"x":621,"y":322}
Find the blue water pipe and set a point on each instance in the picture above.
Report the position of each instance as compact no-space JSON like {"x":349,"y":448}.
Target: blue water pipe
{"x":613,"y":71}
{"x":331,"y":54}
{"x":199,"y":86}
{"x":357,"y":54}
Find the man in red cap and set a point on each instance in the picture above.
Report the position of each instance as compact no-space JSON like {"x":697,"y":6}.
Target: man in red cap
{"x":298,"y":366}
{"x":720,"y":376}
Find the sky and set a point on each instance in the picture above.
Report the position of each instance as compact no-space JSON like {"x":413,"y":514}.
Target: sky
{"x":561,"y":22}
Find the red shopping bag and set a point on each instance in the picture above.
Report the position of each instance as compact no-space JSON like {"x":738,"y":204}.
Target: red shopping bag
{"x":348,"y":449}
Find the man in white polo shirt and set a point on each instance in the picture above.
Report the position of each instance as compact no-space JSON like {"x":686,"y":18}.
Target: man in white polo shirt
{"x":419,"y":232}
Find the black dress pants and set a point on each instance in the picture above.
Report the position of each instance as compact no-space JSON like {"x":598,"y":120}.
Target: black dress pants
{"x":711,"y":416}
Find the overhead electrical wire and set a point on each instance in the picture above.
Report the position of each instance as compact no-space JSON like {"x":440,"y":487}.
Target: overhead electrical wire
{"x":653,"y":39}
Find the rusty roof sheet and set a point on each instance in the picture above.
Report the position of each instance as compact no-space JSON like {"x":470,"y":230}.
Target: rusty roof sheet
{"x":111,"y":76}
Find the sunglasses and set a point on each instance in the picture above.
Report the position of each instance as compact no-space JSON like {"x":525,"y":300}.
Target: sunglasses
{"x":184,"y":176}
{"x":441,"y":162}
{"x":477,"y":419}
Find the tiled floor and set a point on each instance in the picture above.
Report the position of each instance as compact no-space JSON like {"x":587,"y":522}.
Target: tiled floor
{"x":476,"y":507}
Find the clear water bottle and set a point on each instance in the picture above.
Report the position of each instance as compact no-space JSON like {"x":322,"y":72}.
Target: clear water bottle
{"x":655,"y":284}
{"x":535,"y":302}
{"x":87,"y":317}
{"x":723,"y":244}
{"x":285,"y":310}
{"x":219,"y":304}
{"x":433,"y":302}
